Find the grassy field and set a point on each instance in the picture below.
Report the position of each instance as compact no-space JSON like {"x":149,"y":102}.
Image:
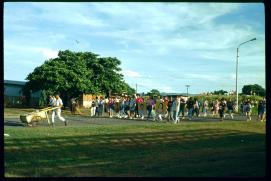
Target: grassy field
{"x":115,"y":147}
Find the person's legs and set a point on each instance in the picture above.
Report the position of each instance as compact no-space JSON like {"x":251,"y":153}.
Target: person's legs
{"x":190,"y":113}
{"x":175,"y":117}
{"x":179,"y":112}
{"x":53,"y":117}
{"x":149,"y":112}
{"x":204,"y":112}
{"x":140,"y":114}
{"x":221,"y":113}
{"x":247,"y":116}
{"x":136,"y":111}
{"x":94,"y":111}
{"x":58,"y":112}
{"x":183,"y":113}
{"x":231,"y":114}
{"x":59,"y":115}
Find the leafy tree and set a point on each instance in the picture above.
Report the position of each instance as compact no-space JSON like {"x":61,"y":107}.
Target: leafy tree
{"x":154,"y":92}
{"x":251,"y":89}
{"x":43,"y":99}
{"x":74,"y":73}
{"x":220,"y":92}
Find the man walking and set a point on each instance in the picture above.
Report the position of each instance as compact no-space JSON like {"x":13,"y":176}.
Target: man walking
{"x":58,"y":103}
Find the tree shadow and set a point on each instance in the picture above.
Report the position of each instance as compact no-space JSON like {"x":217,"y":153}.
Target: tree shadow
{"x":123,"y":153}
{"x":14,"y":123}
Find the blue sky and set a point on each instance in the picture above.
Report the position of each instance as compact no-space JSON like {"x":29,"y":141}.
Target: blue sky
{"x":161,"y":45}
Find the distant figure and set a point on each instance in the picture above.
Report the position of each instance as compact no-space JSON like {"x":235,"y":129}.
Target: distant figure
{"x":97,"y":102}
{"x":176,"y":108}
{"x":182,"y":107}
{"x":205,"y":108}
{"x":111,"y":107}
{"x":222,"y":108}
{"x":93,"y":107}
{"x":261,"y":110}
{"x":215,"y":108}
{"x":140,"y":106}
{"x":190,"y":107}
{"x":160,"y":111}
{"x":169,"y":109}
{"x":132,"y":107}
{"x":248,"y":109}
{"x":73,"y":103}
{"x":77,"y":107}
{"x":52,"y":100}
{"x":230,"y":108}
{"x":196,"y":107}
{"x":150,"y":105}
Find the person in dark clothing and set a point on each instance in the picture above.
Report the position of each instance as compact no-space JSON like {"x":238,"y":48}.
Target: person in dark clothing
{"x":261,"y":110}
{"x":182,"y":107}
{"x":190,"y":106}
{"x":169,"y":109}
{"x":230,"y":108}
{"x":222,"y":108}
{"x":247,"y":109}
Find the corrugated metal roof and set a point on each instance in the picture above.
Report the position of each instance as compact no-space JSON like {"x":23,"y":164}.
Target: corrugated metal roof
{"x":14,"y":82}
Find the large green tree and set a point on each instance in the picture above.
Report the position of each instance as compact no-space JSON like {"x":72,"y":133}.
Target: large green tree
{"x":251,"y":89}
{"x":74,"y":73}
{"x":220,"y":92}
{"x":154,"y":92}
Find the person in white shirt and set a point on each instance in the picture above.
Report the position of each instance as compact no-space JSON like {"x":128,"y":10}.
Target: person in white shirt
{"x":58,"y":103}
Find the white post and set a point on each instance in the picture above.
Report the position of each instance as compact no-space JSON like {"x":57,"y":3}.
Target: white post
{"x":236,"y":80}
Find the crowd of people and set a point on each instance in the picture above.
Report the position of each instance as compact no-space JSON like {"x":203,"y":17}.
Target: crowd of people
{"x":169,"y":108}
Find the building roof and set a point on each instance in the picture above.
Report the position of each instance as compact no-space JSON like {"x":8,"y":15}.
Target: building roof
{"x":177,"y":94}
{"x":14,"y":82}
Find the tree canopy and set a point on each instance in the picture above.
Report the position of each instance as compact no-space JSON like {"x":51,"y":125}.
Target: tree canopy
{"x":251,"y":89}
{"x":74,"y":73}
{"x":220,"y":92}
{"x":154,"y":92}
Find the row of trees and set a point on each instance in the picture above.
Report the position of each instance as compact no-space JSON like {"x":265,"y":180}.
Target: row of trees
{"x":254,"y":89}
{"x":74,"y":73}
{"x":246,"y":90}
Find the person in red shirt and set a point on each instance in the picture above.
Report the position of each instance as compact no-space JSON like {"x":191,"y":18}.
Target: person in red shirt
{"x":140,"y":103}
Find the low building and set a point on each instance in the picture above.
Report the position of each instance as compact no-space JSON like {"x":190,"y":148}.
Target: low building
{"x":13,"y":94}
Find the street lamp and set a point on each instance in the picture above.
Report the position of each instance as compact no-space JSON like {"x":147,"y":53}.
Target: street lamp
{"x":236,"y":83}
{"x":187,"y":89}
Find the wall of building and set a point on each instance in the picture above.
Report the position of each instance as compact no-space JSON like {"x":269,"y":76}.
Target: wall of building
{"x":13,"y":94}
{"x":85,"y":100}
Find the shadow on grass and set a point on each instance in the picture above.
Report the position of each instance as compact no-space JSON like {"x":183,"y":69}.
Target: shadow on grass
{"x":14,"y":123}
{"x":208,"y":152}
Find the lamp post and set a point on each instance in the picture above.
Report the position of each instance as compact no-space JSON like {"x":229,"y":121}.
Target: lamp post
{"x":187,"y":86}
{"x":236,"y":83}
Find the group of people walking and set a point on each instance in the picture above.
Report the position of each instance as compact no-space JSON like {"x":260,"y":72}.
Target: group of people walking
{"x":171,"y":109}
{"x":168,"y":108}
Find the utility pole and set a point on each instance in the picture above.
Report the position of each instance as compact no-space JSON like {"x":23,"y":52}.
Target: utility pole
{"x":136,"y":88}
{"x":236,"y":78}
{"x":187,"y":86}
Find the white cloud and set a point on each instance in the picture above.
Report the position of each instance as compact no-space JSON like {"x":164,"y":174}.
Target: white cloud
{"x":178,"y":36}
{"x":130,"y":73}
{"x":48,"y":53}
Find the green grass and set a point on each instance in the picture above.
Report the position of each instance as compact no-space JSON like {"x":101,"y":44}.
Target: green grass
{"x":190,"y":149}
